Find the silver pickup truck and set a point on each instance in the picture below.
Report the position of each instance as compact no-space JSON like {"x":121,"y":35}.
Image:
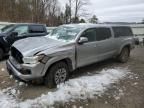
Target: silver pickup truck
{"x":67,"y":48}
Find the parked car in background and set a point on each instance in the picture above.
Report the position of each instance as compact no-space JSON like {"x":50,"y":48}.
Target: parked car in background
{"x":67,"y":48}
{"x":50,"y":29}
{"x":13,"y":32}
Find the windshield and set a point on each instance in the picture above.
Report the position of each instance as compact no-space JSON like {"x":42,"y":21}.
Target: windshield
{"x":64,"y":33}
{"x":7,"y":28}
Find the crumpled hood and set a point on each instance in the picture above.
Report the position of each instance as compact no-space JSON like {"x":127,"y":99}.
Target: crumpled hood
{"x":33,"y":45}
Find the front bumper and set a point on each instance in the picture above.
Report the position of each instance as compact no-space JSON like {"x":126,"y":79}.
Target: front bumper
{"x":15,"y":70}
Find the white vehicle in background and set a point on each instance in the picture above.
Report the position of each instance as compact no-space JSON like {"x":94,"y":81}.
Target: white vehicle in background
{"x":50,"y":29}
{"x":138,"y":31}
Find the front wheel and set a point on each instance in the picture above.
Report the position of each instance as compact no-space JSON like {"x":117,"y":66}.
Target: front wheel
{"x":124,"y":55}
{"x":57,"y":74}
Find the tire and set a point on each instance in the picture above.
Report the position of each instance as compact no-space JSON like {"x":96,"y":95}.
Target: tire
{"x":1,"y":54}
{"x":57,"y":74}
{"x":124,"y":55}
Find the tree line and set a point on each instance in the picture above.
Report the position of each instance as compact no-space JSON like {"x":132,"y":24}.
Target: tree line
{"x":43,"y":11}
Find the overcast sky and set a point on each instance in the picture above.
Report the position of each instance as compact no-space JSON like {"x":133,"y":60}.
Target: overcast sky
{"x":117,"y":10}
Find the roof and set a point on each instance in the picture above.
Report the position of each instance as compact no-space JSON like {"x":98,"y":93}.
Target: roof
{"x":7,"y":23}
{"x":90,"y":25}
{"x":28,"y":24}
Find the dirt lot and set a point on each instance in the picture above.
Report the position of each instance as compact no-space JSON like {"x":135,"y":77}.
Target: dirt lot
{"x":128,"y":93}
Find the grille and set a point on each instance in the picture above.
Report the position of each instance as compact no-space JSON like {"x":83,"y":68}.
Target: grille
{"x":16,"y":55}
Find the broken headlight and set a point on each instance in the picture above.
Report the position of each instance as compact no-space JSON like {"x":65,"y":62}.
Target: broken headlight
{"x":35,"y":59}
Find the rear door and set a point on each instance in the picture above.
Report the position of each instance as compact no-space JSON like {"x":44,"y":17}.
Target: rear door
{"x":122,"y":34}
{"x":105,"y":47}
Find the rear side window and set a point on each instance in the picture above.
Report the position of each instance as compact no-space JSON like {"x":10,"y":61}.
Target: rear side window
{"x":36,"y":29}
{"x":103,"y":33}
{"x":122,"y":31}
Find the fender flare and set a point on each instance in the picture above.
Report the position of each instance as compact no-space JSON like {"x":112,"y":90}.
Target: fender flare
{"x":55,"y":60}
{"x":125,"y":45}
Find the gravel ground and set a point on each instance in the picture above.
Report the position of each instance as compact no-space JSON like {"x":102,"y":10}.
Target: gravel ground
{"x":128,"y":93}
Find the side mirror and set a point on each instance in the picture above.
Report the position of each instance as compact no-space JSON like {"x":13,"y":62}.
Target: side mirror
{"x":83,"y":40}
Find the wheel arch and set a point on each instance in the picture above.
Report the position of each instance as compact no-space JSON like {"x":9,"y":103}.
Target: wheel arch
{"x":126,"y":45}
{"x":67,"y":61}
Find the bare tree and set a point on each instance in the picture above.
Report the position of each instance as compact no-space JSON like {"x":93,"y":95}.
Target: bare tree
{"x":67,"y":14}
{"x":51,"y":11}
{"x":70,"y":6}
{"x":40,"y":11}
{"x":79,"y":4}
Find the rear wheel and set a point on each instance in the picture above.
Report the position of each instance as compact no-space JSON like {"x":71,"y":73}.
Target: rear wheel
{"x":57,"y":74}
{"x":1,"y":54}
{"x":124,"y":55}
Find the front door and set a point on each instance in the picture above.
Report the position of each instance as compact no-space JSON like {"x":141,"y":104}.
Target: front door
{"x":86,"y":52}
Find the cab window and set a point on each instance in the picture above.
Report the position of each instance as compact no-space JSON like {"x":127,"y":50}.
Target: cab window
{"x":90,"y":34}
{"x":37,"y":29}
